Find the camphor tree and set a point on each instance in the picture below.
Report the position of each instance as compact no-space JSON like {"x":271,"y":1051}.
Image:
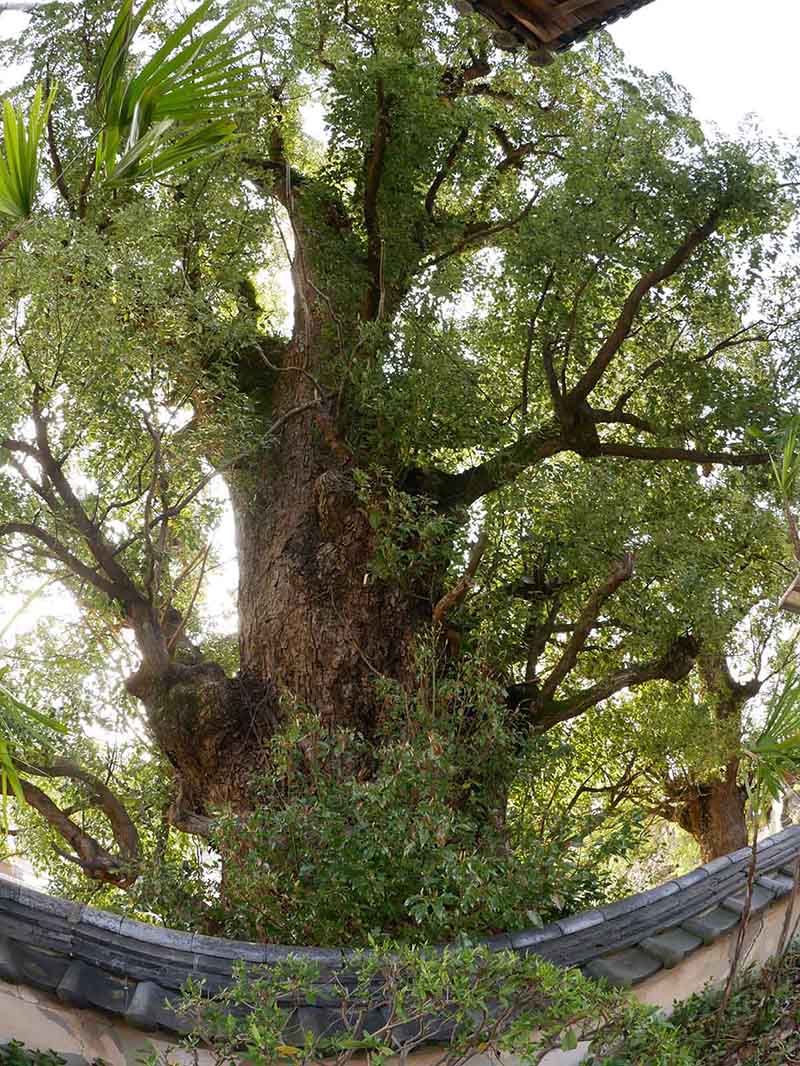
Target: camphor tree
{"x":513,"y":293}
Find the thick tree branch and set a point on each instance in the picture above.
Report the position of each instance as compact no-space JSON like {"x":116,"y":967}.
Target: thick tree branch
{"x":58,"y":551}
{"x":621,"y":573}
{"x":124,"y":588}
{"x":643,"y":286}
{"x":674,"y":666}
{"x":462,"y":489}
{"x":96,"y":861}
{"x":689,"y":455}
{"x":618,"y":416}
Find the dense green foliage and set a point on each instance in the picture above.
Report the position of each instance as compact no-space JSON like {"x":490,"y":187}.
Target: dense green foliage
{"x":410,"y":850}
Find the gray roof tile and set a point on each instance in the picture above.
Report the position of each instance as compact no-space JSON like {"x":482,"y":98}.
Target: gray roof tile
{"x":711,"y":924}
{"x":672,"y":946}
{"x":624,"y":968}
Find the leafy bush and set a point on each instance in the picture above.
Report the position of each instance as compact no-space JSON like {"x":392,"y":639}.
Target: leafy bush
{"x":15,"y":1053}
{"x":408,"y":838}
{"x":395,"y":998}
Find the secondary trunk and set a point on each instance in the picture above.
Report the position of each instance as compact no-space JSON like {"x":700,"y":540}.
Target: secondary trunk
{"x":714,"y":813}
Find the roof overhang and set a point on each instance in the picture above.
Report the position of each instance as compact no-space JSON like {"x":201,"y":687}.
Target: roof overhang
{"x":547,"y":26}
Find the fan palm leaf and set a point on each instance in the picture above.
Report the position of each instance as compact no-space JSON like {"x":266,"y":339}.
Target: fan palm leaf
{"x":177,"y":108}
{"x":19,"y":158}
{"x":774,"y":753}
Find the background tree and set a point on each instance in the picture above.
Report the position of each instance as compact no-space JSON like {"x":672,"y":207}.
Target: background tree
{"x":516,"y":297}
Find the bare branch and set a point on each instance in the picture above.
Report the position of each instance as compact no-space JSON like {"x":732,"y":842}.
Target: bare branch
{"x":55,"y":158}
{"x":124,"y":588}
{"x":457,"y":593}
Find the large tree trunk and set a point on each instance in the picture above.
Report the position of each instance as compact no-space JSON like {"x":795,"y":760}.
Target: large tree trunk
{"x":313,"y":620}
{"x":714,"y":813}
{"x":317,"y":629}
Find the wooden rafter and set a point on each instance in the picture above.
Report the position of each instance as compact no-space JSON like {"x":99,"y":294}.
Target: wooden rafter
{"x":547,"y":26}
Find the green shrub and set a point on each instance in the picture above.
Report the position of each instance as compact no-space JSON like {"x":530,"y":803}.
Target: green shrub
{"x":493,"y":1003}
{"x":411,"y":838}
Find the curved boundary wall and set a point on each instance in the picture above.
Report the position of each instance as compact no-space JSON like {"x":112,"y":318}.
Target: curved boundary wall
{"x":89,"y":984}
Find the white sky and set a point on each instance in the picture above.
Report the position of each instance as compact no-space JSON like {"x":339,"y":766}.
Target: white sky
{"x":711,"y":47}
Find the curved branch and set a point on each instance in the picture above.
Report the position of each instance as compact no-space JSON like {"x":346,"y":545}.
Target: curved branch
{"x":689,"y":455}
{"x":467,"y":486}
{"x":674,"y":666}
{"x":58,"y":551}
{"x":441,"y":174}
{"x":622,"y":326}
{"x":621,"y":573}
{"x":96,"y":861}
{"x":464,"y":488}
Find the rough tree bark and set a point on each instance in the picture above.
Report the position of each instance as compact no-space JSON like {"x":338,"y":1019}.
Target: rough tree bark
{"x":713,"y":810}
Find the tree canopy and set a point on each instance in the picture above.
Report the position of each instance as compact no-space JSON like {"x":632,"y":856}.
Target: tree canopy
{"x":487,"y":362}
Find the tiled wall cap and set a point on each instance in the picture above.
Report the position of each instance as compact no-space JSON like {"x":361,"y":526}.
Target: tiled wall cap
{"x":578,"y":922}
{"x":227,"y":949}
{"x":743,"y":854}
{"x":761,"y":898}
{"x":101,"y":919}
{"x":692,"y":878}
{"x":777,"y":884}
{"x":122,"y":966}
{"x":624,"y":968}
{"x":529,"y":938}
{"x":712,"y":924}
{"x":671,"y":947}
{"x":714,"y":867}
{"x":174,"y":939}
{"x":641,"y":899}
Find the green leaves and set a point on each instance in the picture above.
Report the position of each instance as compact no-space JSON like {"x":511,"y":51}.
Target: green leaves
{"x":776,"y":750}
{"x":786,"y":468}
{"x":18,"y":721}
{"x":176,"y":109}
{"x":19,"y":159}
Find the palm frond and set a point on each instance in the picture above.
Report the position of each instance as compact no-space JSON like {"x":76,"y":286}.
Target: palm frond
{"x":177,"y":108}
{"x":19,"y":158}
{"x":775,"y":752}
{"x":786,"y":468}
